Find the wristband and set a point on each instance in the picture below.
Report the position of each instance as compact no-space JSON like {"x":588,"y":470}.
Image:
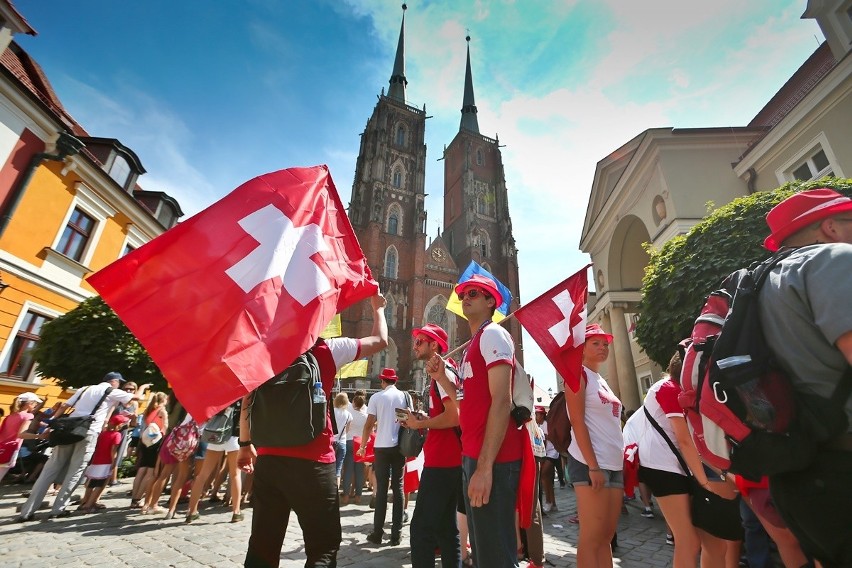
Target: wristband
{"x":244,"y":444}
{"x":594,"y":469}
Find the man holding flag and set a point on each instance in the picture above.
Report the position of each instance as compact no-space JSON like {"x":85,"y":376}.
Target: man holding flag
{"x":492,"y":447}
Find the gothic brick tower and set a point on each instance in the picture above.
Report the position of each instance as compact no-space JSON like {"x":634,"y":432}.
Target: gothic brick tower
{"x":477,"y":225}
{"x":387,"y":213}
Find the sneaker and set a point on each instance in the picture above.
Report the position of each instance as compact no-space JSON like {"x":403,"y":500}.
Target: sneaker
{"x":404,"y":517}
{"x":375,"y":538}
{"x":547,"y":508}
{"x":394,"y":541}
{"x":670,"y":539}
{"x":648,"y":513}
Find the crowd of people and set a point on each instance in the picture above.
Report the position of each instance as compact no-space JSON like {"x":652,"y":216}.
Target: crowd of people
{"x":487,"y":479}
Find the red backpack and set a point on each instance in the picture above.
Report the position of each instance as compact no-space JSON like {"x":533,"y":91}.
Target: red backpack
{"x":739,"y":406}
{"x":183,"y":440}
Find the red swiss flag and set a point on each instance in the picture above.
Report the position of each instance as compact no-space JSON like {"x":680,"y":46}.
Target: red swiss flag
{"x":230,"y":297}
{"x":556,"y":320}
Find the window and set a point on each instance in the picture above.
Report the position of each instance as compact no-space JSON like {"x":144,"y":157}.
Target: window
{"x":120,"y":171}
{"x":76,"y":235}
{"x":400,"y":135}
{"x":389,"y":309}
{"x":397,"y":178}
{"x":814,"y":167}
{"x":394,"y":220}
{"x":478,"y":157}
{"x":390,"y":263}
{"x":128,"y":248}
{"x":393,"y":224}
{"x":19,"y":362}
{"x":480,"y":204}
{"x":484,"y":244}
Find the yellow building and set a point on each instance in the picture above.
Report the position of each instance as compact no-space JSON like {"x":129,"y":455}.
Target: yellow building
{"x":69,"y":205}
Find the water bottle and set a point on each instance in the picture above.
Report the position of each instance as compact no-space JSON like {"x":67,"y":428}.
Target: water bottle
{"x":319,"y":394}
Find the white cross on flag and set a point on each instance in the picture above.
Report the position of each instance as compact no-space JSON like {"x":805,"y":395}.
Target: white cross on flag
{"x":556,"y":320}
{"x":230,"y":297}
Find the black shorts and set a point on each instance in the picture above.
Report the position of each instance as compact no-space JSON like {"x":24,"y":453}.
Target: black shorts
{"x":93,"y":483}
{"x":663,"y":483}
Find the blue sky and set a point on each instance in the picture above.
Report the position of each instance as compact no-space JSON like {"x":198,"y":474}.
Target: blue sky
{"x":212,"y":93}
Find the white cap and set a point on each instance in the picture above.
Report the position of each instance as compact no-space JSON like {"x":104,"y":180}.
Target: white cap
{"x":29,"y":397}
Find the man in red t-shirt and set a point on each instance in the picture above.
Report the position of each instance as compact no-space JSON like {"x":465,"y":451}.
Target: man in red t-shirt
{"x":303,"y":478}
{"x":491,"y":444}
{"x":434,"y":522}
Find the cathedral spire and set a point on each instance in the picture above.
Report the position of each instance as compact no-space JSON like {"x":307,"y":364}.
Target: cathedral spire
{"x":398,"y":80}
{"x":468,"y":119}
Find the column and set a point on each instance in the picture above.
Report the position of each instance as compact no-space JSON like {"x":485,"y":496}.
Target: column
{"x":611,"y":364}
{"x":628,"y":386}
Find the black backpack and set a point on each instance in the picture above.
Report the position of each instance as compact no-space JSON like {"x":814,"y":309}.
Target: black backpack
{"x":291,"y":408}
{"x":743,"y":413}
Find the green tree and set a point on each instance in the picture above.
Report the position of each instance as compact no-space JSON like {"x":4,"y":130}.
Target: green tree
{"x":681,"y":274}
{"x":80,"y":347}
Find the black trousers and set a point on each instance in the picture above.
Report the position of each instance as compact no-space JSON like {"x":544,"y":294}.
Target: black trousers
{"x":389,"y":465}
{"x":815,"y":504}
{"x":434,"y":523}
{"x":307,"y":488}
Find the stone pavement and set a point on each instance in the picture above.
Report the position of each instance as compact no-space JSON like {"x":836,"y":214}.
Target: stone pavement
{"x":122,"y":537}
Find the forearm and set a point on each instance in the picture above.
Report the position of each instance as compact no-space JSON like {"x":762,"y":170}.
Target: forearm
{"x":449,"y":418}
{"x":368,"y":428}
{"x":245,"y":431}
{"x":688,"y":451}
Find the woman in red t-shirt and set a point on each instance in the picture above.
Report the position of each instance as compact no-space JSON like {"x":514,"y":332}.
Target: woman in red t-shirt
{"x":13,"y":431}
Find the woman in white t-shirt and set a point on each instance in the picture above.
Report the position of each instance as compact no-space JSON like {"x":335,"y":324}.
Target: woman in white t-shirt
{"x":595,"y":456}
{"x":352,"y":477}
{"x":662,"y":472}
{"x":343,"y":419}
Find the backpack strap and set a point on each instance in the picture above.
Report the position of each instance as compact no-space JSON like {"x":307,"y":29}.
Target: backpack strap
{"x":101,"y":401}
{"x":665,"y":436}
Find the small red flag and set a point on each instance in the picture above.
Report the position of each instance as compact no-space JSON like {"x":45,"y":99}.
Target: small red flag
{"x":230,"y":297}
{"x":556,"y":320}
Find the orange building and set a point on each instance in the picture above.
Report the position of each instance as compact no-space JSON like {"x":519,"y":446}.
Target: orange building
{"x":69,"y":205}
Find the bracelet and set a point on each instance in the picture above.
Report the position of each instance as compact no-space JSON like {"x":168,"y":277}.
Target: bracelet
{"x":594,"y":469}
{"x":244,"y":444}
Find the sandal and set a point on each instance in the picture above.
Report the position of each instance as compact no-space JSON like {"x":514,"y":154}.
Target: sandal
{"x":191,"y":518}
{"x":237,"y":517}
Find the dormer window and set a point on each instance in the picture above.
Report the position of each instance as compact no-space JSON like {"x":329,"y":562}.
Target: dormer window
{"x":120,"y":171}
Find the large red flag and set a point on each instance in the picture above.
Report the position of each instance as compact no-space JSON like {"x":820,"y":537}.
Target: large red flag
{"x":556,"y":320}
{"x":230,"y":297}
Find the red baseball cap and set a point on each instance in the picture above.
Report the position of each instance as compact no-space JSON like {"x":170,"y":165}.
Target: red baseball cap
{"x":435,"y":332}
{"x":596,"y":330}
{"x":388,"y":375}
{"x":486,"y":284}
{"x":541,"y":409}
{"x":800,"y":210}
{"x":117,"y":419}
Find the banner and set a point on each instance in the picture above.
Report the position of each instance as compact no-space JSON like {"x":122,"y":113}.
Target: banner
{"x":556,"y":321}
{"x":230,"y":297}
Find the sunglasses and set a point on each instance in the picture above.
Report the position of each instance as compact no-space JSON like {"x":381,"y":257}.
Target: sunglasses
{"x":418,"y":342}
{"x":472,"y":293}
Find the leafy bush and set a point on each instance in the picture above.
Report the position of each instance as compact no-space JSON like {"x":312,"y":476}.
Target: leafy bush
{"x":687,"y":268}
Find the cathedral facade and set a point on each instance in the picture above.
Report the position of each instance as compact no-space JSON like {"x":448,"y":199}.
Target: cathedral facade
{"x":387,"y":211}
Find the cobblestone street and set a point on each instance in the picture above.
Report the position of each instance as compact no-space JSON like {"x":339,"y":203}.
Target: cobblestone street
{"x":120,"y":536}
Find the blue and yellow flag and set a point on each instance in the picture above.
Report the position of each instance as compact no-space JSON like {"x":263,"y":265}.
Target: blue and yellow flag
{"x":455,"y":306}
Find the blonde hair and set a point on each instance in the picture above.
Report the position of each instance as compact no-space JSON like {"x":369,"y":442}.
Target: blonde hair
{"x":158,"y":399}
{"x":341,"y":400}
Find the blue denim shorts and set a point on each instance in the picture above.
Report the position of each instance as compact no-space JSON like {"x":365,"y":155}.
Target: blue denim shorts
{"x":578,"y":472}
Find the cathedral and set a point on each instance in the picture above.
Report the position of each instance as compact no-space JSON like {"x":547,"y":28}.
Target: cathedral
{"x":387,"y":211}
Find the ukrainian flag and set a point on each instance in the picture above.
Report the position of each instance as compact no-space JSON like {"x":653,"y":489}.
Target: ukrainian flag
{"x":455,"y":306}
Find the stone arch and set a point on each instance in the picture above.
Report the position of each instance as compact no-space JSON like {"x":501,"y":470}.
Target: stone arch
{"x":387,"y":357}
{"x":627,"y":257}
{"x":436,"y":312}
{"x":398,"y":175}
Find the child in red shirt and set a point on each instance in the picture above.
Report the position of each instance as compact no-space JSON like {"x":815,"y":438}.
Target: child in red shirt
{"x":100,"y":468}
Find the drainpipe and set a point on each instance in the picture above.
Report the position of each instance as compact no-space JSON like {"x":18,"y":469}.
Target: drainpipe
{"x":66,"y":145}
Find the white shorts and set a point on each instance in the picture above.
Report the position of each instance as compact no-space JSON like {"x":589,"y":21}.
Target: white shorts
{"x":232,"y":445}
{"x":100,"y":471}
